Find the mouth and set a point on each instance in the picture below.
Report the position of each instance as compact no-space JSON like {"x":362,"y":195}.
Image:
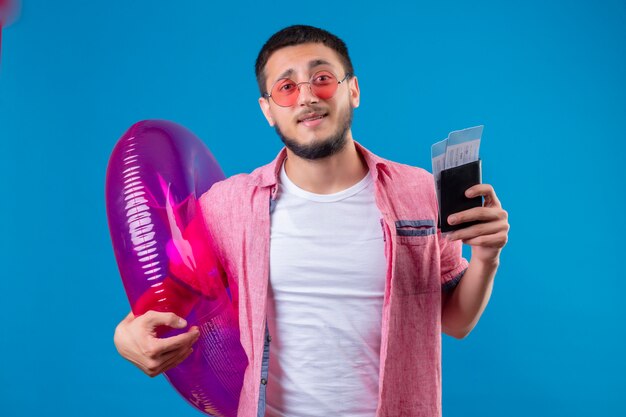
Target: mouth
{"x":312,"y":119}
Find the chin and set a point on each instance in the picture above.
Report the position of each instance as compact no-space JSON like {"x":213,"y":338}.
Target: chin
{"x":320,"y":143}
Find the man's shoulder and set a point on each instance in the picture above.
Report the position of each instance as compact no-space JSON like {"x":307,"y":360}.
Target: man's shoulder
{"x":401,"y":172}
{"x":405,"y":169}
{"x":411,"y":189}
{"x":231,"y":185}
{"x":234,"y":188}
{"x":228,"y":189}
{"x":225,"y":201}
{"x":394,"y":168}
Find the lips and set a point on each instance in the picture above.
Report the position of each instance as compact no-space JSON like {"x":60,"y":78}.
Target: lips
{"x":309,"y":119}
{"x":312,"y":119}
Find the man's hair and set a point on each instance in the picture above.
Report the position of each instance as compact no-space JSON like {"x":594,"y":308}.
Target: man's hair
{"x":296,"y":35}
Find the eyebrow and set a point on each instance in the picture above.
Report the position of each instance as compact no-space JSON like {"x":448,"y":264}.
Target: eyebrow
{"x":312,"y":64}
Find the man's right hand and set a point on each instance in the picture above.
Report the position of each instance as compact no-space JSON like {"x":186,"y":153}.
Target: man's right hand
{"x":136,"y":340}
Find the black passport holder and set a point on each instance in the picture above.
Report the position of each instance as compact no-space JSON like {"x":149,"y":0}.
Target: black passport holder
{"x":453,"y":183}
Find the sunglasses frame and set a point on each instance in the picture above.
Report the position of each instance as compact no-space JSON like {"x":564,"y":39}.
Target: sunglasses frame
{"x":310,"y":83}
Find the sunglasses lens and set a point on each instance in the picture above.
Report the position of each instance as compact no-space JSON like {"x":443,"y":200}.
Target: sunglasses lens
{"x":323,"y":85}
{"x":285,"y":92}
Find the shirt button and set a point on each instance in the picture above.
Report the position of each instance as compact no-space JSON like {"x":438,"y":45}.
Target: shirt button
{"x":269,"y":338}
{"x":263,"y":381}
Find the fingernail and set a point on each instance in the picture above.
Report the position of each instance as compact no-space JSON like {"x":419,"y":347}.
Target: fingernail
{"x":469,"y":194}
{"x":182,"y":322}
{"x":451,"y":220}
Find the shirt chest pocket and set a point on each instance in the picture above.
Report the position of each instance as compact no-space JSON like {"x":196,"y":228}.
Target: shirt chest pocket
{"x":415,"y":232}
{"x":416,"y":269}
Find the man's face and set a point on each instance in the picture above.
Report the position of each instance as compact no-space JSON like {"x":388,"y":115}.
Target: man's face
{"x":312,"y":128}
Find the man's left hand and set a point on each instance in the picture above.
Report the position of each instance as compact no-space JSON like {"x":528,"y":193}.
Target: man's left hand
{"x":488,"y":237}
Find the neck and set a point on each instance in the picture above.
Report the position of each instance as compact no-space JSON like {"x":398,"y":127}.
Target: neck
{"x":327,"y":175}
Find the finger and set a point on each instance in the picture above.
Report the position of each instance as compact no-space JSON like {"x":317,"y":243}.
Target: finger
{"x":156,"y":348}
{"x":176,"y":360}
{"x":487,"y":191}
{"x":174,"y":343}
{"x":478,"y":213}
{"x":496,"y":240}
{"x":155,"y":366}
{"x":470,"y":232}
{"x":154,"y":319}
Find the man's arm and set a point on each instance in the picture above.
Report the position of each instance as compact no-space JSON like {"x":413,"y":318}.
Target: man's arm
{"x":462,"y":308}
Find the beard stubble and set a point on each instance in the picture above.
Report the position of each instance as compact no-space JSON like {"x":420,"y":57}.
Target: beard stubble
{"x":321,"y":148}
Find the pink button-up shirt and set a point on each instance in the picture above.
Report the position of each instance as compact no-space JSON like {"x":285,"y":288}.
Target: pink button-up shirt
{"x":420,"y":265}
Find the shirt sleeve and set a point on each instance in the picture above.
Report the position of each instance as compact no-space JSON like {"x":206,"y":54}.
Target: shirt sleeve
{"x":453,"y":264}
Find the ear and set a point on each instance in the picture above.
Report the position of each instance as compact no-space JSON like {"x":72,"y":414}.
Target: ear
{"x":355,"y":94}
{"x":265,"y":108}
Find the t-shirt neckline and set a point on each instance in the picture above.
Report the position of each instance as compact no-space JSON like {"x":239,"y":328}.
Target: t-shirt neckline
{"x":292,"y":188}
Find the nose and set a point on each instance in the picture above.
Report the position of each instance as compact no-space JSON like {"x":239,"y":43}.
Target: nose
{"x":305,"y":94}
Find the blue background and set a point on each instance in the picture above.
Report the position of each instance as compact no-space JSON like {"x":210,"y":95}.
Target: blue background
{"x":547,"y":79}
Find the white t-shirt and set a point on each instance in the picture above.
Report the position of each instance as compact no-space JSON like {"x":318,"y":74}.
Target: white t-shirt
{"x":327,"y":281}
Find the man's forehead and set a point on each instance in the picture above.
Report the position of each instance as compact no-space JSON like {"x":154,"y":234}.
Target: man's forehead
{"x":303,"y":57}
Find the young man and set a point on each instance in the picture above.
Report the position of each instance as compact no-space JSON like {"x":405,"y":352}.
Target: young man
{"x":336,"y":257}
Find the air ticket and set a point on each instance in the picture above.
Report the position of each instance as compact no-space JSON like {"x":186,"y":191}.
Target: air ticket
{"x":460,"y":147}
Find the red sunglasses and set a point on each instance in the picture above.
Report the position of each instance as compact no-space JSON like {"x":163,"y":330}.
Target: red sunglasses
{"x":323,"y":85}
